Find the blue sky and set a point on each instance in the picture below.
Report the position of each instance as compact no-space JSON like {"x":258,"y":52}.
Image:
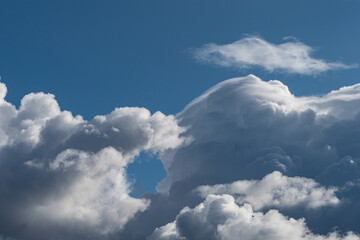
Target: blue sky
{"x":95,"y":56}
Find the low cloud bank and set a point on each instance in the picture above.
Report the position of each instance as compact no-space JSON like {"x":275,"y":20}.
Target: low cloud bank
{"x":219,"y":217}
{"x":247,"y":158}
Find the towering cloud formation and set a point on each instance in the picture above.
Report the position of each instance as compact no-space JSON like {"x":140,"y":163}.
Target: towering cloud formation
{"x":291,"y":56}
{"x":246,"y":128}
{"x":62,"y":177}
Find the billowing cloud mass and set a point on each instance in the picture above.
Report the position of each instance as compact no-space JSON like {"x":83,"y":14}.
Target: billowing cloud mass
{"x":247,"y":158}
{"x":62,"y":177}
{"x":291,"y":56}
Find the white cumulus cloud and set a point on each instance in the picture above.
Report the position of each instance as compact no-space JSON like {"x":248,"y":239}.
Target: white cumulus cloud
{"x":62,"y":177}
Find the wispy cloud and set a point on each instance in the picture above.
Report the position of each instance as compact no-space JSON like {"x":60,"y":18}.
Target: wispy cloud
{"x":291,"y":56}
